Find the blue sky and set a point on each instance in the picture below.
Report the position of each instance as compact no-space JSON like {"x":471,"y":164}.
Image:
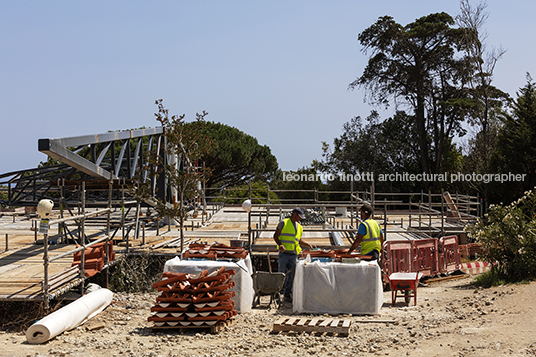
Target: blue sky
{"x":277,"y":70}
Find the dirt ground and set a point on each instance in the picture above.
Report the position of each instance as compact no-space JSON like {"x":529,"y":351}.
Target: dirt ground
{"x":452,"y":318}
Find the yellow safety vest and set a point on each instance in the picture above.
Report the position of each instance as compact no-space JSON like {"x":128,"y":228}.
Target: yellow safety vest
{"x":290,"y":237}
{"x":371,"y":240}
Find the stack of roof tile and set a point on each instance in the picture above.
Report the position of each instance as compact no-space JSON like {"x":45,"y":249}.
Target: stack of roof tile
{"x":323,"y":253}
{"x":199,"y":300}
{"x":94,"y":257}
{"x":214,"y":251}
{"x":336,"y":254}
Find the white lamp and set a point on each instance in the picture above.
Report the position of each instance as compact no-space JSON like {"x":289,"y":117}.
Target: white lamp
{"x":246,"y":205}
{"x":44,"y":208}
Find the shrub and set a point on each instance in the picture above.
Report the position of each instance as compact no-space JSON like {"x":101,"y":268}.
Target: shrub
{"x":507,"y":237}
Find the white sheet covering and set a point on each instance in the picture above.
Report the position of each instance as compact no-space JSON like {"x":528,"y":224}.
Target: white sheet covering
{"x":243,"y":282}
{"x":337,"y":288}
{"x":69,"y":317}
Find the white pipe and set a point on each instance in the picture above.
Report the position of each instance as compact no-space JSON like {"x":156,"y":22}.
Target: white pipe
{"x":69,"y":317}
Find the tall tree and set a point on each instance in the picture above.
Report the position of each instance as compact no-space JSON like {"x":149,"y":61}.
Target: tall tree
{"x":516,"y":144}
{"x":486,"y":101}
{"x":417,"y":65}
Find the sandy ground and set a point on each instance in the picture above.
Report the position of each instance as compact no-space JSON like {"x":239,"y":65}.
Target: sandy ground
{"x":452,"y":318}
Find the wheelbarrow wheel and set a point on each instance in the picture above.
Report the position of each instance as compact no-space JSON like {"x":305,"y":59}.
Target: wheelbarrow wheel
{"x":277,"y":300}
{"x":256,"y":298}
{"x":407,"y":297}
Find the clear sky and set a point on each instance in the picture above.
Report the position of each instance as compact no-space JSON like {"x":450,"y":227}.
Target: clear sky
{"x":277,"y":70}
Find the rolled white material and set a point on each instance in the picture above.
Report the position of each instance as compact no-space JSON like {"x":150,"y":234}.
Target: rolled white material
{"x":69,"y":317}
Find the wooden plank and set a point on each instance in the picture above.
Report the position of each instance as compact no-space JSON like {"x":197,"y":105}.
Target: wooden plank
{"x":378,"y":321}
{"x":313,"y":322}
{"x":325,"y":323}
{"x":301,"y":322}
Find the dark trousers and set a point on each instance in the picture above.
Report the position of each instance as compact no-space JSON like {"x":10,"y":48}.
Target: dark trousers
{"x":374,"y":255}
{"x":287,"y":265}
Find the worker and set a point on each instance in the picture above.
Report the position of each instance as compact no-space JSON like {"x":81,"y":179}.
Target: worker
{"x":287,"y":236}
{"x":369,"y":234}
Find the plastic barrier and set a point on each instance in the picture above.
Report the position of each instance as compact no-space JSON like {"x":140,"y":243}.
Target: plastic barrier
{"x":425,"y":256}
{"x":449,"y":254}
{"x":397,"y":257}
{"x":428,"y":256}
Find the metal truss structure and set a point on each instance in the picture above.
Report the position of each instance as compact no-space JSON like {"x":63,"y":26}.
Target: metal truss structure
{"x":98,"y":160}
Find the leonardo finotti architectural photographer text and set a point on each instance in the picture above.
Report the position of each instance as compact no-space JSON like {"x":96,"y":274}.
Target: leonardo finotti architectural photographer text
{"x":405,"y":176}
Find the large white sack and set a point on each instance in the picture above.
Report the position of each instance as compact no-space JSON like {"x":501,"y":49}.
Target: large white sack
{"x":69,"y":317}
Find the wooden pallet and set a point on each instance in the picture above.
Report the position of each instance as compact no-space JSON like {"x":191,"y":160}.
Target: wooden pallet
{"x":220,"y":325}
{"x":340,"y":327}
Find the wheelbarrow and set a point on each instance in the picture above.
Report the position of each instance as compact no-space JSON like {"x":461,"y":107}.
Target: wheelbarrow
{"x":406,"y":283}
{"x":268,"y":283}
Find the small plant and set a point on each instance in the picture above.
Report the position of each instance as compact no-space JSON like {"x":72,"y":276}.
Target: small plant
{"x":508,"y":239}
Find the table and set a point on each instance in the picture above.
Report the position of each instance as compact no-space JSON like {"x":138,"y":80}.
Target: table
{"x":243,"y":281}
{"x":337,"y":288}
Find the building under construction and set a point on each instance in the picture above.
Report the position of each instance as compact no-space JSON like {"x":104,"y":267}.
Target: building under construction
{"x":95,"y":220}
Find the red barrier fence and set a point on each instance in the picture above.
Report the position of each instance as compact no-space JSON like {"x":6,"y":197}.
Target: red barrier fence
{"x":428,"y":256}
{"x":449,"y":254}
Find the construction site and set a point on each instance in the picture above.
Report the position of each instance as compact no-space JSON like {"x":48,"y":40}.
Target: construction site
{"x":92,"y":222}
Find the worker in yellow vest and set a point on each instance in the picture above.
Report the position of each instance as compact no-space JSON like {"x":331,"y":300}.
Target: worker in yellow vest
{"x":369,"y":234}
{"x":287,"y":236}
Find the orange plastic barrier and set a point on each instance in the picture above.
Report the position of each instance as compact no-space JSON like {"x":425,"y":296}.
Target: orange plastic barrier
{"x":428,"y":256}
{"x":449,"y":254}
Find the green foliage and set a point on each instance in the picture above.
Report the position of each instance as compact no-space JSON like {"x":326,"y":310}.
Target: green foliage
{"x":3,"y":195}
{"x":302,"y":190}
{"x":508,"y":238}
{"x":259,"y":193}
{"x":375,"y":147}
{"x":490,"y":278}
{"x":236,"y":158}
{"x":516,"y":143}
{"x":418,"y":65}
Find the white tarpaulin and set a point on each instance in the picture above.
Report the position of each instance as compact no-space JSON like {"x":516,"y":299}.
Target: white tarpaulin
{"x":243,"y":281}
{"x":69,"y":317}
{"x":337,"y":288}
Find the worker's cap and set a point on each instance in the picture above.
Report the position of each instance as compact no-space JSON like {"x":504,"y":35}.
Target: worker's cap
{"x":299,"y":211}
{"x":366,"y":208}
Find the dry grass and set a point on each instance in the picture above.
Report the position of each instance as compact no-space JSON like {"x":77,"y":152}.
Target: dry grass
{"x":17,"y":316}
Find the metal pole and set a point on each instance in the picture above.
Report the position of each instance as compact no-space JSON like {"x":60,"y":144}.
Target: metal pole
{"x":109,"y":214}
{"x":83,"y":219}
{"x":442,"y":213}
{"x":429,"y":208}
{"x":45,"y":265}
{"x":385,"y":219}
{"x":249,"y":217}
{"x":352,"y":202}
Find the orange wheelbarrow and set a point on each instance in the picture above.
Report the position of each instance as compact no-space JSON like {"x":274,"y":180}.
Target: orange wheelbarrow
{"x":406,"y":283}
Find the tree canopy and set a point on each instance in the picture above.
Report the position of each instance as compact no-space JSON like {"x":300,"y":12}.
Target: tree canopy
{"x":418,"y":65}
{"x":236,"y":157}
{"x":516,"y":143}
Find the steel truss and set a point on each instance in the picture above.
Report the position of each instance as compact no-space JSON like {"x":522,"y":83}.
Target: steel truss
{"x":115,"y":157}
